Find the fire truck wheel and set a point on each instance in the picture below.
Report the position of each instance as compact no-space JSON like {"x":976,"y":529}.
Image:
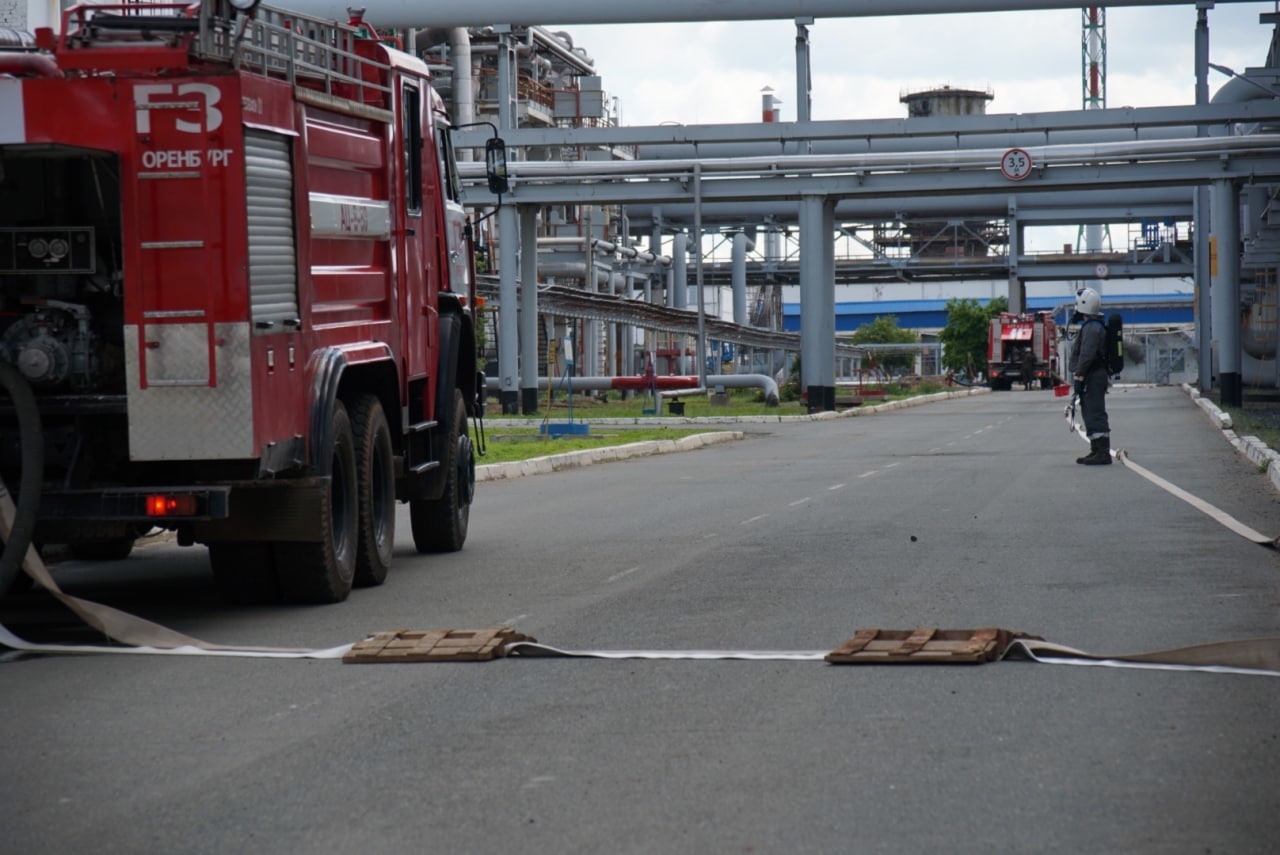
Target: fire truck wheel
{"x":245,"y":573}
{"x":375,"y":479}
{"x":323,"y":571}
{"x":440,"y":525}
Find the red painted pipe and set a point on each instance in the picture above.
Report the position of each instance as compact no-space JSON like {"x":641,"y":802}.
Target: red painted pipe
{"x":639,"y":383}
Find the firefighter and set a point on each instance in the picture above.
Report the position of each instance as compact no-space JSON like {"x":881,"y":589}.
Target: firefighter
{"x":1088,"y":366}
{"x":1028,"y":369}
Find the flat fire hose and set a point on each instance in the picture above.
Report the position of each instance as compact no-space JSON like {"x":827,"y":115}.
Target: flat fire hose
{"x":1259,"y":657}
{"x":1221,"y":516}
{"x":142,"y":635}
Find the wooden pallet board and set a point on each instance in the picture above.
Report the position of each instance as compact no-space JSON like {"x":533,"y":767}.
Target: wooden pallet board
{"x":925,"y":645}
{"x":437,"y":645}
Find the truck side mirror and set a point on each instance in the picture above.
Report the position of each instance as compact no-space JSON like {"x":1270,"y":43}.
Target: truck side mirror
{"x":495,"y":166}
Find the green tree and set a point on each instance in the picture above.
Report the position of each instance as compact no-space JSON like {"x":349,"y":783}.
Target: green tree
{"x":964,"y":338}
{"x":885,"y":330}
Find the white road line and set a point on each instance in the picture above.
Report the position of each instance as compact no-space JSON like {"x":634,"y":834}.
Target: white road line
{"x":800,"y":501}
{"x":935,"y":449}
{"x":868,"y":474}
{"x":616,"y":576}
{"x":515,"y":620}
{"x":756,"y":518}
{"x":891,"y":465}
{"x":836,"y":487}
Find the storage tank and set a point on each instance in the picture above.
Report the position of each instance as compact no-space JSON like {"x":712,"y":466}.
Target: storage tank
{"x":946,"y":101}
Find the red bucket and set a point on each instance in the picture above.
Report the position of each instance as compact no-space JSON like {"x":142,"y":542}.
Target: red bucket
{"x":1061,"y":391}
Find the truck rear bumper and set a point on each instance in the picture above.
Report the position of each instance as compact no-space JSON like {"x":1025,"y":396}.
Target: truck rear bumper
{"x":279,"y":510}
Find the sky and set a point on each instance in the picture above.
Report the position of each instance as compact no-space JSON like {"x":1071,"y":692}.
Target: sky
{"x":713,"y":72}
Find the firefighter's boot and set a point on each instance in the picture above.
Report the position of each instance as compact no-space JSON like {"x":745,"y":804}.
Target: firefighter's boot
{"x":1099,"y":452}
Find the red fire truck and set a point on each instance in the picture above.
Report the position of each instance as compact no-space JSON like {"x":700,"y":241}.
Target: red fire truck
{"x":235,"y":294}
{"x":1012,"y":337}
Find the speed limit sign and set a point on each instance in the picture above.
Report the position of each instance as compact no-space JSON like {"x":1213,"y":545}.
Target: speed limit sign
{"x":1016,"y":164}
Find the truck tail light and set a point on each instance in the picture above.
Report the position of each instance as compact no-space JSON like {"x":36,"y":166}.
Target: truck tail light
{"x":171,"y":506}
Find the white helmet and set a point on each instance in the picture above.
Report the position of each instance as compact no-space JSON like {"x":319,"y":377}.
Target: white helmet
{"x":1088,"y":302}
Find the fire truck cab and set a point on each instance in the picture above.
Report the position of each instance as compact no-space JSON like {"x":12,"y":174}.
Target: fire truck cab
{"x":235,"y":294}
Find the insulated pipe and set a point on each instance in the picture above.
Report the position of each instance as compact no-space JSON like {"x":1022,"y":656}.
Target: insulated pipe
{"x":1049,"y":156}
{"x":1110,"y":205}
{"x":611,"y":281}
{"x":555,"y":44}
{"x":639,"y":383}
{"x":464,"y":90}
{"x":649,"y":152}
{"x":397,"y":14}
{"x":739,"y":279}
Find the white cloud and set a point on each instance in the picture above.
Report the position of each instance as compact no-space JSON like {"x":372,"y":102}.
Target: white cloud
{"x":713,"y":72}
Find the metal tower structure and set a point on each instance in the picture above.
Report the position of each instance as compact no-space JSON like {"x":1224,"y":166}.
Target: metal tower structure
{"x":1093,"y":82}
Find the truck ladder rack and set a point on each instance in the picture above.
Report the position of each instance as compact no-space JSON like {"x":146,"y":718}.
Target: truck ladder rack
{"x":311,"y":53}
{"x":301,"y":49}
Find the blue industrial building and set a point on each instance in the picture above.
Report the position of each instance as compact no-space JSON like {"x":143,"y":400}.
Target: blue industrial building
{"x":1137,"y":309}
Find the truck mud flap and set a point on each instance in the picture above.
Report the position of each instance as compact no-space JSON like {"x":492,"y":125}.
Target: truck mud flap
{"x":284,"y":510}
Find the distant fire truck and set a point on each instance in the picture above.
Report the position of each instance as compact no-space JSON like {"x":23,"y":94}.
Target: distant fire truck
{"x":1011,"y":339}
{"x":235,"y":294}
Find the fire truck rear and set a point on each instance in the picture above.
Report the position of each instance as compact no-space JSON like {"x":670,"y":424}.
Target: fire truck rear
{"x":234,"y":295}
{"x":1015,"y":339}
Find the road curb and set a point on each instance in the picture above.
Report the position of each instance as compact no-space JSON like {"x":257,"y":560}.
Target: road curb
{"x":1254,"y":449}
{"x":572,"y":459}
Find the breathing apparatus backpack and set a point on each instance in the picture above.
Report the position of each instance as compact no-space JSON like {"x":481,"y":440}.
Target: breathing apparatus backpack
{"x":1112,"y":343}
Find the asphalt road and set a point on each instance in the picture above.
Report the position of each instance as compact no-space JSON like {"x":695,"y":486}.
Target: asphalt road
{"x":957,"y":514}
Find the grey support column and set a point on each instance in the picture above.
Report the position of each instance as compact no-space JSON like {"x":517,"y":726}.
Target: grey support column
{"x":508,"y":309}
{"x":1201,"y":212}
{"x":678,"y":296}
{"x":1017,"y":288}
{"x":804,"y":83}
{"x":828,"y":340}
{"x":528,"y":309}
{"x":817,"y":304}
{"x":739,"y":279}
{"x":1225,"y":275}
{"x":508,"y":243}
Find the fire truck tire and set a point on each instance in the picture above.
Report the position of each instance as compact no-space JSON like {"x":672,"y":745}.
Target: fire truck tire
{"x":245,"y":573}
{"x":376,"y":481}
{"x":440,"y":525}
{"x":323,"y":571}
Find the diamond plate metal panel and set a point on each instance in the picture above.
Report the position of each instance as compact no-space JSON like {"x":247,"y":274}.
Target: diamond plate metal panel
{"x":190,"y":422}
{"x":177,"y":354}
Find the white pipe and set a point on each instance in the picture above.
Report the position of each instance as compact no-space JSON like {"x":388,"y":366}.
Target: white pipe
{"x":479,"y":13}
{"x":1056,"y":155}
{"x":464,"y":91}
